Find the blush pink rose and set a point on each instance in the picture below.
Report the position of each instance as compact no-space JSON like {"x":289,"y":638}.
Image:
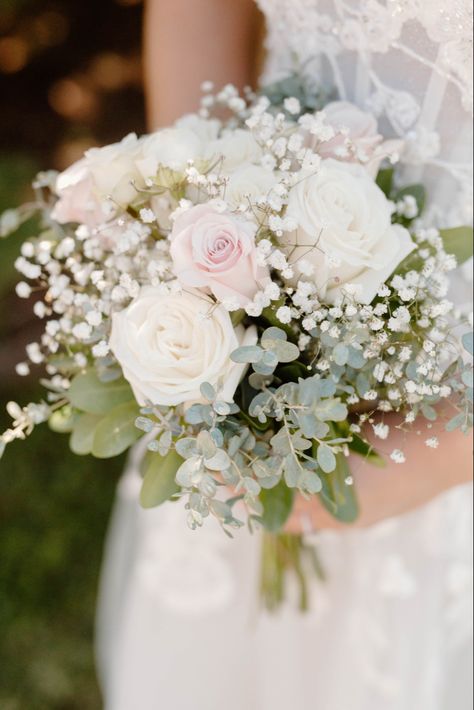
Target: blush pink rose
{"x":216,"y":252}
{"x":366,"y":144}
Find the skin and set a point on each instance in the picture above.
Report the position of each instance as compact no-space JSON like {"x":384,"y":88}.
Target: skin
{"x":186,"y":43}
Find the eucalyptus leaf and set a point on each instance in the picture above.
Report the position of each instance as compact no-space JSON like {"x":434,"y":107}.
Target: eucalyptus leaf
{"x":62,"y":420}
{"x":159,"y":478}
{"x":468,"y":342}
{"x":208,"y":391}
{"x":116,"y":432}
{"x":82,"y":436}
{"x":341,"y":354}
{"x":88,"y":394}
{"x":338,"y":497}
{"x":326,"y":458}
{"x":277,"y":505}
{"x":247,"y":354}
{"x":219,"y":462}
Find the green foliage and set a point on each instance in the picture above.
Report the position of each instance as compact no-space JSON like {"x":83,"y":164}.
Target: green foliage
{"x":88,"y":394}
{"x":159,"y":483}
{"x":458,"y":241}
{"x":337,"y":496}
{"x":81,"y":440}
{"x":277,"y":504}
{"x":116,"y":432}
{"x":385,"y":180}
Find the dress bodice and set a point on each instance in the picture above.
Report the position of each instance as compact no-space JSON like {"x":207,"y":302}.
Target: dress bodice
{"x":408,"y":61}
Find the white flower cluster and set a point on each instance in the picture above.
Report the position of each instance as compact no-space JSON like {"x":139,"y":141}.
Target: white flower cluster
{"x":162,"y":257}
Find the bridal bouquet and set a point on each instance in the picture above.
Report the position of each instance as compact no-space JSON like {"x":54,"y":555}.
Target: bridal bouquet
{"x":249,"y":297}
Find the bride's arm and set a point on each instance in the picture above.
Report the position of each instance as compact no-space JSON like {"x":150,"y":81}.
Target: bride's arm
{"x":397,"y":488}
{"x":190,"y":41}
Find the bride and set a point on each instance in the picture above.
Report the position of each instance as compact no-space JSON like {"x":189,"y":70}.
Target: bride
{"x":179,"y":626}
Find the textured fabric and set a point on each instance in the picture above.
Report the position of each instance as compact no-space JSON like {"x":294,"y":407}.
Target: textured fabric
{"x":178,"y":619}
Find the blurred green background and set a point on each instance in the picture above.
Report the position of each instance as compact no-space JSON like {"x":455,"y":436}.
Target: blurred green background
{"x":70,"y":77}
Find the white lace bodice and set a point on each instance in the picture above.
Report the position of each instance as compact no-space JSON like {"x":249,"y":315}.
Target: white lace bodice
{"x":408,"y":61}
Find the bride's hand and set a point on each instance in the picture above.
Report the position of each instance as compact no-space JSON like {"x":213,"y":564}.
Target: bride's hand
{"x":397,"y":488}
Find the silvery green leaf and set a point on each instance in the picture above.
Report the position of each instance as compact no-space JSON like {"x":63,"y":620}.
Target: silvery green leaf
{"x":308,"y":425}
{"x":341,"y":354}
{"x":429,"y":412}
{"x":258,"y":382}
{"x":269,"y":482}
{"x":219,"y":462}
{"x":455,"y":422}
{"x":260,"y":469}
{"x":144,"y":424}
{"x":310,"y":482}
{"x":299,"y":443}
{"x":338,"y":497}
{"x":221,"y":510}
{"x":248,"y":442}
{"x":469,"y":394}
{"x":208,"y":391}
{"x":263,"y":369}
{"x":62,"y":420}
{"x":326,"y":458}
{"x":285,"y":351}
{"x":356,"y":358}
{"x":217,"y":437}
{"x":412,"y":371}
{"x":362,"y":383}
{"x":251,"y":485}
{"x":270,"y":359}
{"x":280,"y":443}
{"x":164,"y":443}
{"x":271,"y":334}
{"x":186,"y":473}
{"x":467,"y":378}
{"x":186,"y":447}
{"x":207,"y":486}
{"x":234,"y":445}
{"x":292,"y":471}
{"x":247,"y":353}
{"x":221,"y":408}
{"x":207,"y":414}
{"x":467,"y":341}
{"x":205,"y":444}
{"x":194,"y":414}
{"x":331,"y":410}
{"x":314,"y":388}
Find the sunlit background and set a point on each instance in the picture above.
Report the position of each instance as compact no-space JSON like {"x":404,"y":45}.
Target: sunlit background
{"x":70,"y":78}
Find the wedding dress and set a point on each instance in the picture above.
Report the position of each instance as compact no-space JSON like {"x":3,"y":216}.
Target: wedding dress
{"x":179,"y":626}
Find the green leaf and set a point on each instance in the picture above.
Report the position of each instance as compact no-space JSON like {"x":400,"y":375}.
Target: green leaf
{"x":326,"y":458}
{"x":385,"y":180}
{"x":468,"y":342}
{"x":82,"y":437}
{"x":337,"y":497}
{"x":361,"y":447}
{"x":62,"y":421}
{"x":159,"y":483}
{"x":247,"y":353}
{"x":417,"y":191}
{"x":277,"y":505}
{"x":458,"y":241}
{"x":88,"y":394}
{"x":116,"y":432}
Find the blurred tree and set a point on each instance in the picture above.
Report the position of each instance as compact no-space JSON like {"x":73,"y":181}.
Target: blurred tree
{"x":70,"y":77}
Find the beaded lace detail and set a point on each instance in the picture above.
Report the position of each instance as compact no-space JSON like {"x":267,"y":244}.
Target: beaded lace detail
{"x":408,"y":61}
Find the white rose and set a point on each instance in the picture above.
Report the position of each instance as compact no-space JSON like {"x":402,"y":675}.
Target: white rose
{"x":188,"y":139}
{"x":236,"y":147}
{"x":168,"y":345}
{"x":344,"y":230}
{"x":248,"y":181}
{"x":84,"y":188}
